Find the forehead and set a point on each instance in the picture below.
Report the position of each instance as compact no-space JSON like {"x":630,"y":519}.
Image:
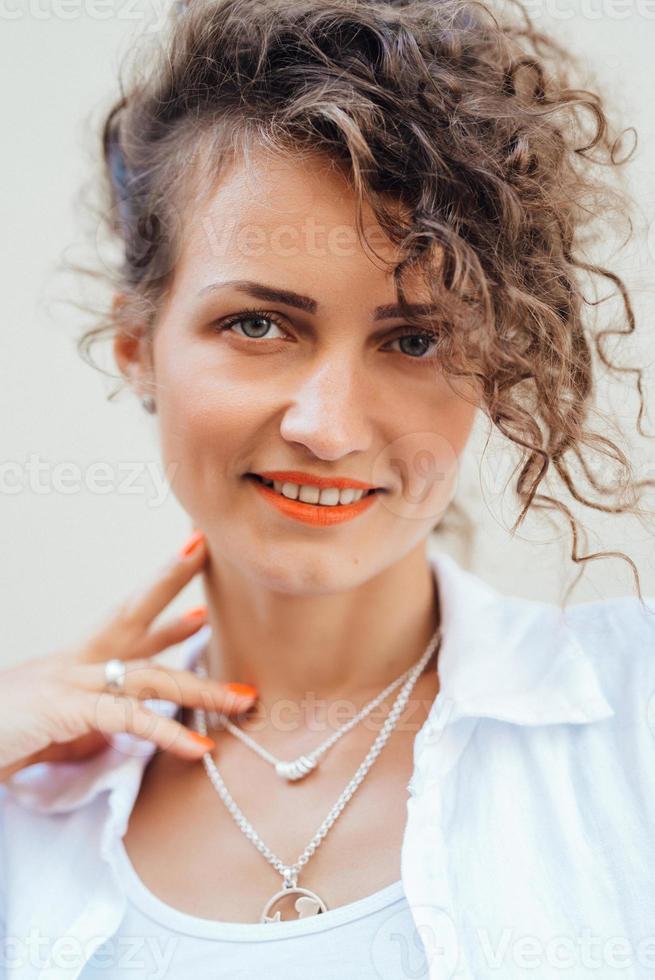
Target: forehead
{"x":273,"y":212}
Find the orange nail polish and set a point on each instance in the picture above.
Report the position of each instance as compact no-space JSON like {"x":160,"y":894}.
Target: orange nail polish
{"x":243,"y":690}
{"x":198,"y":612}
{"x":191,"y":544}
{"x":207,"y":743}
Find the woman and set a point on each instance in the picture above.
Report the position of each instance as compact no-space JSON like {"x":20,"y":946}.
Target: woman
{"x":302,"y":189}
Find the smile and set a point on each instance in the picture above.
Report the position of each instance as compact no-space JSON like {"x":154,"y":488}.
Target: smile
{"x":332,"y":511}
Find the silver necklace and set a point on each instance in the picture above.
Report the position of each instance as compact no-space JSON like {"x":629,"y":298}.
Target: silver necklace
{"x":308,"y":902}
{"x":295,"y":769}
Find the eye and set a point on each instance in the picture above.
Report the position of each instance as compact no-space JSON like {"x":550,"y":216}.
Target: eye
{"x":254,"y":322}
{"x":425,"y":340}
{"x":255,"y":325}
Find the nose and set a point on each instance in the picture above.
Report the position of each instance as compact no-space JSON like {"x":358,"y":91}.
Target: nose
{"x":329,"y":412}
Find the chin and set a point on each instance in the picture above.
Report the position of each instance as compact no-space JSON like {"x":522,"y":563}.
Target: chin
{"x":287,"y":570}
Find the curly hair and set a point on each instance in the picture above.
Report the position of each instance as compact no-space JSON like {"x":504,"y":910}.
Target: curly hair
{"x":471,"y":122}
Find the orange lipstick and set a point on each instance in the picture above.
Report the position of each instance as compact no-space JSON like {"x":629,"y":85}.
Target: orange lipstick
{"x":319,"y":515}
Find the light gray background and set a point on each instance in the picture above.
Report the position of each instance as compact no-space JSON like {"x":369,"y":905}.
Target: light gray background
{"x":71,"y":553}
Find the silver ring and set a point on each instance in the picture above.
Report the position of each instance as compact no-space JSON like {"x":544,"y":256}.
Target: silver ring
{"x":115,"y":676}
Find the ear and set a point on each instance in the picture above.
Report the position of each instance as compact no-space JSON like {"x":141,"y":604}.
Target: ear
{"x":131,"y":348}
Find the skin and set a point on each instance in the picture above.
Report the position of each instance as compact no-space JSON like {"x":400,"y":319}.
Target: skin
{"x":306,"y":614}
{"x":339,"y":610}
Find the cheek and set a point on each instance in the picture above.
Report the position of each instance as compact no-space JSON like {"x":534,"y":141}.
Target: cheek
{"x":204,"y":430}
{"x":204,"y":407}
{"x":459,"y":423}
{"x":425,"y":457}
{"x":208,"y":428}
{"x":455,"y":411}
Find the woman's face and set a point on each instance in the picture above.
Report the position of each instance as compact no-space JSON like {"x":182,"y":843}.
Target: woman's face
{"x":320,"y":380}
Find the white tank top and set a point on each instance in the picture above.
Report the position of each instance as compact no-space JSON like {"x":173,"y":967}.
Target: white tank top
{"x":373,"y":938}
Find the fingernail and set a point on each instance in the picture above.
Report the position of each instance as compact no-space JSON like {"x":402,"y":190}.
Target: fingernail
{"x":207,"y":743}
{"x":198,"y":612}
{"x":191,"y":544}
{"x":243,"y":690}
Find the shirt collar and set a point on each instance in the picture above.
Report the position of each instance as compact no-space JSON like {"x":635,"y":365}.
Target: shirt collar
{"x":502,"y":657}
{"x":510,"y":658}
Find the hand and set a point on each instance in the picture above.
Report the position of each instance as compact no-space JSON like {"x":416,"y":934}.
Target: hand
{"x":54,"y":707}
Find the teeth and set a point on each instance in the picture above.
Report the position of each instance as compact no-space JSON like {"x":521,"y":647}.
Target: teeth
{"x":329,"y":497}
{"x":309,"y":495}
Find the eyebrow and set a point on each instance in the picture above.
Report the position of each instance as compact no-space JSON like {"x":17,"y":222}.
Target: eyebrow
{"x":259,"y":290}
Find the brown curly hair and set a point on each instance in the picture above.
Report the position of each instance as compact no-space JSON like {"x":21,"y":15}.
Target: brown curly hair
{"x":471,"y":123}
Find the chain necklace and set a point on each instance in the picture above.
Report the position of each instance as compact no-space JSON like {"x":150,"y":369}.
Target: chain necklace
{"x":308,"y":902}
{"x":298,"y":768}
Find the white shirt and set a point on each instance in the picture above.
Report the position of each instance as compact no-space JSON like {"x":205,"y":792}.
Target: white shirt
{"x":529,"y":845}
{"x":163,"y":942}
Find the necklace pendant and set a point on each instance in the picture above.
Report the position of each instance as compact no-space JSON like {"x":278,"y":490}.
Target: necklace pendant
{"x":306,"y":903}
{"x":295,"y":770}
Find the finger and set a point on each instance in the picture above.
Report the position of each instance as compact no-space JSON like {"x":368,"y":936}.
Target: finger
{"x":140,"y":612}
{"x":113,"y":715}
{"x":146,"y":680}
{"x":171,"y":633}
{"x":121,"y":635}
{"x":80,"y":748}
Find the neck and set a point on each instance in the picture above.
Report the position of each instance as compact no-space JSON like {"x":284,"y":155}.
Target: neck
{"x":320,"y":647}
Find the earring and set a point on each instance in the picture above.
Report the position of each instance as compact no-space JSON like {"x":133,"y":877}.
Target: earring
{"x":148,"y":403}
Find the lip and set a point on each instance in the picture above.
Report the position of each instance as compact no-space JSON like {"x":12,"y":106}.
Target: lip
{"x":297,"y":476}
{"x":315,"y":514}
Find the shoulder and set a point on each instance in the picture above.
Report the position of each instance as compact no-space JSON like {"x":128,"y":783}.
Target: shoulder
{"x":618,"y":636}
{"x":622,"y":616}
{"x":618,"y":633}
